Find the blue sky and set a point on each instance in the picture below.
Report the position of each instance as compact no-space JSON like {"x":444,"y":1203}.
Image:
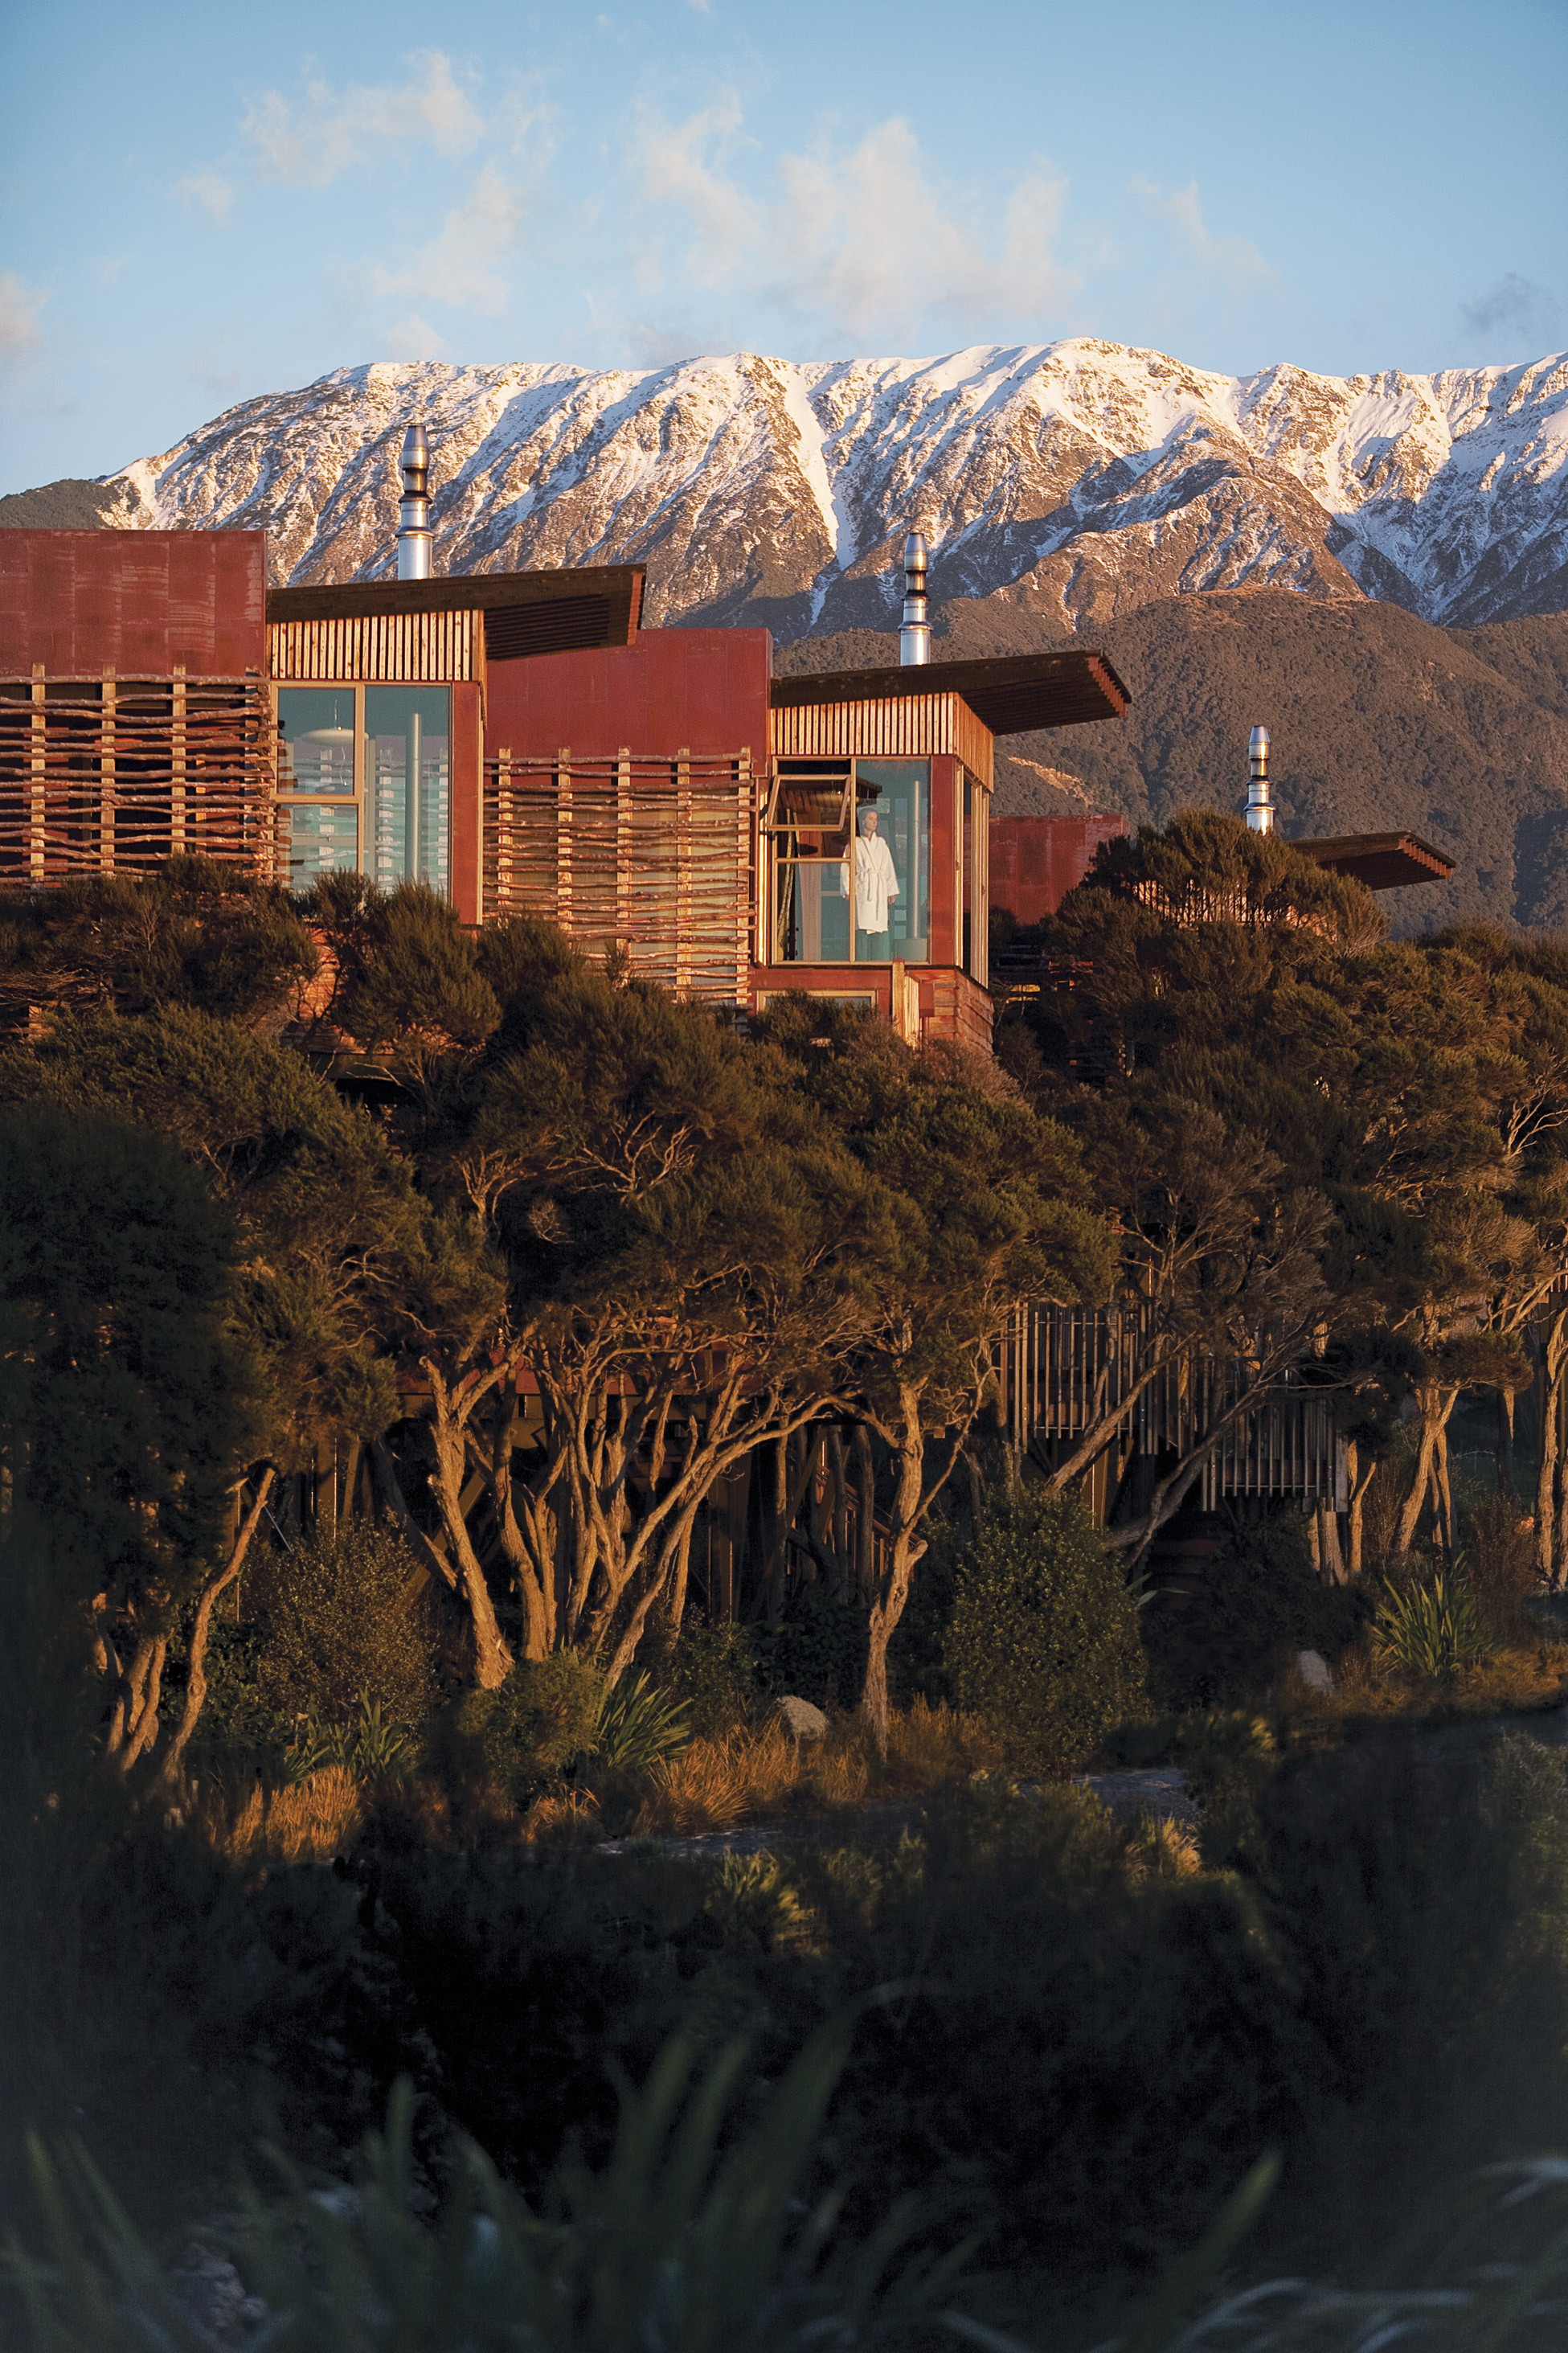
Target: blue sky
{"x":204,"y":204}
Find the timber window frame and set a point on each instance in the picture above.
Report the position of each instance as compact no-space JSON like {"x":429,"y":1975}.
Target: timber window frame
{"x":811,"y":828}
{"x":374,"y":793}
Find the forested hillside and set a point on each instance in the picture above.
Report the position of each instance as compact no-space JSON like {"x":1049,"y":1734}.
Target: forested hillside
{"x":1378,"y":720}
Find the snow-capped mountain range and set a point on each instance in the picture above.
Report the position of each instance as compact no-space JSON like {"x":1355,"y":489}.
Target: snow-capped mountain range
{"x":1076,"y":480}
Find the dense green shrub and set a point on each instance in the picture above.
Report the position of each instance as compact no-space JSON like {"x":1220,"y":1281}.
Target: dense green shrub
{"x":723,"y":1676}
{"x":1499,"y":1562}
{"x":1044,"y":1641}
{"x":1262,"y":1601}
{"x":518,"y":1738}
{"x":337,"y":1618}
{"x":917,"y":1654}
{"x":817,"y":1650}
{"x":711,"y":1671}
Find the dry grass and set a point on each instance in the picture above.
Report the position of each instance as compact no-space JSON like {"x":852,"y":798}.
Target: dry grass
{"x":308,"y":1824}
{"x":569,"y":1820}
{"x":1523,"y":1680}
{"x":761,"y":1776}
{"x":1162,"y":1849}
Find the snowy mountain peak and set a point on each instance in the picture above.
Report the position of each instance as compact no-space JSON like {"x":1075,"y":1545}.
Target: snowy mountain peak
{"x":1076,"y":480}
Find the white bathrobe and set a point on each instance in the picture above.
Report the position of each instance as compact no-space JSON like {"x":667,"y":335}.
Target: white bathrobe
{"x":876,"y":881}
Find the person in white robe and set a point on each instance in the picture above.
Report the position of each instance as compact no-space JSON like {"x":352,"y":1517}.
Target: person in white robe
{"x":876,"y":878}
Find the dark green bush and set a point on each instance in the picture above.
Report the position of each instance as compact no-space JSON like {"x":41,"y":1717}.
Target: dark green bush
{"x":711,"y":1672}
{"x":337,"y":1618}
{"x":817,"y":1651}
{"x":1262,"y":1601}
{"x":917,"y":1654}
{"x":522,"y":1735}
{"x":1044,"y":1641}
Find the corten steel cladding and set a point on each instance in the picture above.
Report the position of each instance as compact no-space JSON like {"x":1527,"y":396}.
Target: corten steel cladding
{"x":134,"y":720}
{"x":1036,"y":860}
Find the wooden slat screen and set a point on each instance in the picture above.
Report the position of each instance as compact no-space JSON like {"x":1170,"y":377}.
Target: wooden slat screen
{"x":894,"y":727}
{"x":1059,"y":1368}
{"x":110,"y":776}
{"x":654,"y":855}
{"x":413,"y":646}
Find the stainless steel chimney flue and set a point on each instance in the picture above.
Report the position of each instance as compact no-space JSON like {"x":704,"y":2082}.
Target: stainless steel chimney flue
{"x":1260,"y":799}
{"x":914,"y":637}
{"x":413,"y":537}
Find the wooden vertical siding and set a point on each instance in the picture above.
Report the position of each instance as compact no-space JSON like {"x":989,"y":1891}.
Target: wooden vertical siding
{"x":415,"y":648}
{"x":653,"y":854}
{"x":898,"y":727}
{"x":109,"y":775}
{"x":1058,"y":1369}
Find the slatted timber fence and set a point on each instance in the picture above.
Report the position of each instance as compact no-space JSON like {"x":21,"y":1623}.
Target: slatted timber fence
{"x":1060,"y":1369}
{"x":654,"y":855}
{"x":111,"y":775}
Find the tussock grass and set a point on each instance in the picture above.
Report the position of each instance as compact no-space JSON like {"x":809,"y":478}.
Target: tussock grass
{"x":1522,"y":1679}
{"x":745,"y":1775}
{"x":311,"y":1822}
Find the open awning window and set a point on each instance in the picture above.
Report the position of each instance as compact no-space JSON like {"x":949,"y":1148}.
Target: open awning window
{"x":808,"y":808}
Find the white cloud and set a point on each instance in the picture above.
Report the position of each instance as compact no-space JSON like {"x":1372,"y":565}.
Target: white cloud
{"x":676,"y":170}
{"x":866,"y":237}
{"x":309,"y":142}
{"x":210,"y":190}
{"x":413,"y":338}
{"x":19,"y":308}
{"x":1235,"y":259}
{"x":458,"y":267}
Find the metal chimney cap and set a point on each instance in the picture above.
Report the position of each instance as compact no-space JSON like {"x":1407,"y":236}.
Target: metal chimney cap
{"x":1259,"y":740}
{"x":915,"y":551}
{"x":415,"y":453}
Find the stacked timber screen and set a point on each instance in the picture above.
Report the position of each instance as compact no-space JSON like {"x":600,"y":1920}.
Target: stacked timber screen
{"x":651,"y":855}
{"x":110,"y":776}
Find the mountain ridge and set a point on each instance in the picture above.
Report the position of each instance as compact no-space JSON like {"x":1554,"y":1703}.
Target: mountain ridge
{"x":1073,"y":481}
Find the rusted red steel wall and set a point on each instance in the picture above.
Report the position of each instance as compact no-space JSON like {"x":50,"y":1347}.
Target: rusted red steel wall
{"x":136,"y":602}
{"x":703,"y":690}
{"x":468,"y":786}
{"x":1036,"y":860}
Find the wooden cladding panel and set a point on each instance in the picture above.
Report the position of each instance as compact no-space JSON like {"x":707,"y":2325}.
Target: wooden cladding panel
{"x":650,"y":855}
{"x":111,"y":775}
{"x":896,"y":727}
{"x":416,"y":647}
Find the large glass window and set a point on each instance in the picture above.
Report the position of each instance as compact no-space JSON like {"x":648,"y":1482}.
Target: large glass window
{"x":408,"y":758}
{"x":852,"y":865}
{"x":365,"y":774}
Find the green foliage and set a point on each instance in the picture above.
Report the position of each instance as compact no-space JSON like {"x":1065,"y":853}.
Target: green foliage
{"x":817,"y":1650}
{"x":313,"y":1184}
{"x":370,"y":1747}
{"x":711,"y":1672}
{"x":1433,"y":1625}
{"x":917,"y":1660}
{"x":638,"y":1726}
{"x":407,"y":973}
{"x":537,"y":1722}
{"x":342,"y":1625}
{"x":127,"y":1407}
{"x":1044,"y":1641}
{"x":192,"y":933}
{"x":1261,"y":1602}
{"x":1499,"y":1562}
{"x":679,"y":2243}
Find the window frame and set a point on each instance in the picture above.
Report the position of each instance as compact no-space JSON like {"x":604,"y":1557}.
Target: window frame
{"x":833,"y":848}
{"x":360,"y":796}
